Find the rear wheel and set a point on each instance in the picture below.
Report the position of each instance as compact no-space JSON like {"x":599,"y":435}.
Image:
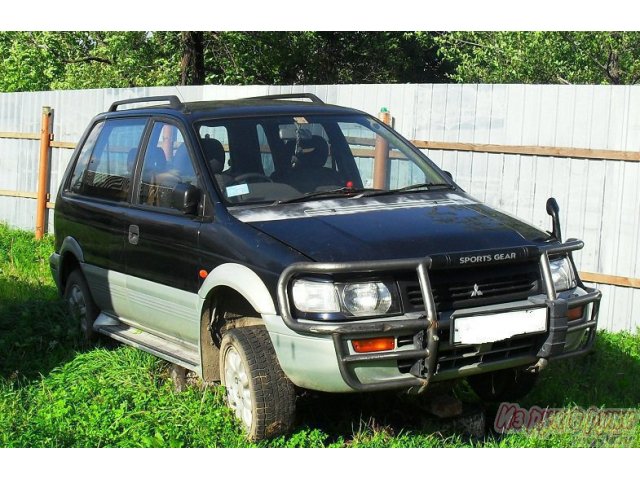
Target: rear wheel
{"x":81,"y":305}
{"x":503,"y":385}
{"x":258,"y":391}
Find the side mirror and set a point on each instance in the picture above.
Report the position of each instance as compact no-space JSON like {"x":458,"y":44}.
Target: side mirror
{"x":185,"y":198}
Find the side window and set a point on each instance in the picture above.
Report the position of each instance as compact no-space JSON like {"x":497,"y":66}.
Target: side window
{"x":105,"y":164}
{"x":166,"y":163}
{"x":75,"y":183}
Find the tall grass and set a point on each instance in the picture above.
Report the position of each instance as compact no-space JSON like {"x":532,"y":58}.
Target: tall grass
{"x":54,"y":394}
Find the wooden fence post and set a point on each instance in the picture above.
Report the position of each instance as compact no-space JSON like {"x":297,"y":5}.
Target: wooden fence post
{"x":43,"y":172}
{"x":381,"y":155}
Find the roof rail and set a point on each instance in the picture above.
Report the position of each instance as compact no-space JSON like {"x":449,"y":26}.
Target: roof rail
{"x":174,"y":102}
{"x":285,"y":96}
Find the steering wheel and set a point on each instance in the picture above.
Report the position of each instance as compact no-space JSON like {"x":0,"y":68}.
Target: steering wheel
{"x":255,"y":175}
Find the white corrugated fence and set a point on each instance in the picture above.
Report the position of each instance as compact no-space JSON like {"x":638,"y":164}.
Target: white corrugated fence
{"x":599,"y":199}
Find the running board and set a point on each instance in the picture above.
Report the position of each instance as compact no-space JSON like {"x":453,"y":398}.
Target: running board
{"x":152,"y":344}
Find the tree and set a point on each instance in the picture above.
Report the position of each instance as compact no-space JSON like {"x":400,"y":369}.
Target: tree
{"x":25,"y":61}
{"x":542,"y":57}
{"x":322,"y":57}
{"x":192,"y":71}
{"x":63,"y":60}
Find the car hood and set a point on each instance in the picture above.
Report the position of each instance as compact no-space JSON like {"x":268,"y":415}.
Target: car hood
{"x":390,"y":227}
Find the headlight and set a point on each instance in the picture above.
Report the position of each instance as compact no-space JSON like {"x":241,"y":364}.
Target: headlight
{"x":361,"y":299}
{"x":562,"y":274}
{"x":366,"y":299}
{"x":315,"y":297}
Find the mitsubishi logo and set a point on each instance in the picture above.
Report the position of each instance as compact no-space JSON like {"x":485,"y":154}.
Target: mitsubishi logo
{"x":476,"y":291}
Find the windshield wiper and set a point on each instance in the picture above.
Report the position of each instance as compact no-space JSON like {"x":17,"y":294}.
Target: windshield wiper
{"x":419,"y":186}
{"x":363,"y":192}
{"x":410,"y":188}
{"x":336,"y":191}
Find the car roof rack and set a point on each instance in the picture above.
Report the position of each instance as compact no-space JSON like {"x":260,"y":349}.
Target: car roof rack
{"x":287,"y":96}
{"x":174,"y":102}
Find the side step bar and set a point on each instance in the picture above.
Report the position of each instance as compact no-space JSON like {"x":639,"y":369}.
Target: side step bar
{"x":147,"y":342}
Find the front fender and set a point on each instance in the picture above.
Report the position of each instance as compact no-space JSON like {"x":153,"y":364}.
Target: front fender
{"x":243,"y":280}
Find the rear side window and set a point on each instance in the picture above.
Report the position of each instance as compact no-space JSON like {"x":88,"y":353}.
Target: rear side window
{"x":75,"y":182}
{"x":105,"y":164}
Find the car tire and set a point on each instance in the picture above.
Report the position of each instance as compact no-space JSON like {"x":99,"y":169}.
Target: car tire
{"x":81,"y":306}
{"x":503,"y":385}
{"x":258,"y":391}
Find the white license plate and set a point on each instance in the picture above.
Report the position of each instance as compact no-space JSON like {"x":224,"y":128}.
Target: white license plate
{"x":498,"y":326}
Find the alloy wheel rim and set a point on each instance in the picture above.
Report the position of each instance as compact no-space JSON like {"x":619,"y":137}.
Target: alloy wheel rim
{"x":238,"y":388}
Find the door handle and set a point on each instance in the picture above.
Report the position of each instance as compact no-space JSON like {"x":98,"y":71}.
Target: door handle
{"x":134,"y":234}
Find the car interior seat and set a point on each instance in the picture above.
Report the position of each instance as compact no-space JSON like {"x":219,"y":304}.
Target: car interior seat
{"x":215,"y":157}
{"x":308,"y":172}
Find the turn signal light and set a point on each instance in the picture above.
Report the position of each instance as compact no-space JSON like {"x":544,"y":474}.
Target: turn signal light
{"x":575,"y":313}
{"x":368,"y":345}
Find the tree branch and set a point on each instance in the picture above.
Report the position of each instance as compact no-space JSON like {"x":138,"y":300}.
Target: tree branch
{"x":460,"y":41}
{"x":90,"y":59}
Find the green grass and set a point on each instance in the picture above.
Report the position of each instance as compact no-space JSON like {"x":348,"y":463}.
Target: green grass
{"x":54,"y":394}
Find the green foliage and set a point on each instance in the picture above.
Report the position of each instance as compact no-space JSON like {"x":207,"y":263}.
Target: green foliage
{"x":321,"y":57}
{"x":543,"y":57}
{"x":118,"y":59}
{"x":70,"y":60}
{"x":53,"y":394}
{"x":73,"y":60}
{"x":35,"y":332}
{"x":26,"y":63}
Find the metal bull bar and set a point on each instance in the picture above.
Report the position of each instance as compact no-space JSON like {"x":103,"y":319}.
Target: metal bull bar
{"x":424,"y":348}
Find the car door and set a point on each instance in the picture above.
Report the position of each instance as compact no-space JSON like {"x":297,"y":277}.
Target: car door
{"x":161,"y":245}
{"x":96,"y":202}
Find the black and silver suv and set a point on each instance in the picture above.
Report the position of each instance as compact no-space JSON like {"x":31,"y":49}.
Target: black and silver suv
{"x":274,"y":242}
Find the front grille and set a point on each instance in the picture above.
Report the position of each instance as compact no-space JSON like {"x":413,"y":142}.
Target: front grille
{"x":453,"y":357}
{"x":461,"y":356}
{"x":453,"y":289}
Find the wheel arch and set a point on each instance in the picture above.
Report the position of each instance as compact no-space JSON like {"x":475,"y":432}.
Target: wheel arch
{"x":244,"y":281}
{"x":232,"y":296}
{"x":71,"y":257}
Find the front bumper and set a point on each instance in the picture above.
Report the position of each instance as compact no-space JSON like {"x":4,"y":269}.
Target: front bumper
{"x":427,"y":354}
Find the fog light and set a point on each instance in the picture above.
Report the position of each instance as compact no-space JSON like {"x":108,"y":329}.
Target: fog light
{"x":368,"y":345}
{"x":575,"y":313}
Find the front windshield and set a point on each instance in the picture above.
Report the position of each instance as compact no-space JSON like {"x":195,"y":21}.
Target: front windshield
{"x":291,"y":158}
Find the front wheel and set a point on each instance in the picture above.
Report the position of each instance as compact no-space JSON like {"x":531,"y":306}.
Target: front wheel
{"x":258,"y":391}
{"x":503,"y":385}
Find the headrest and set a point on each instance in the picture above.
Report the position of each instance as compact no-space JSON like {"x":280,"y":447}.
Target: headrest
{"x":315,"y":151}
{"x":213,"y":153}
{"x":155,"y":159}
